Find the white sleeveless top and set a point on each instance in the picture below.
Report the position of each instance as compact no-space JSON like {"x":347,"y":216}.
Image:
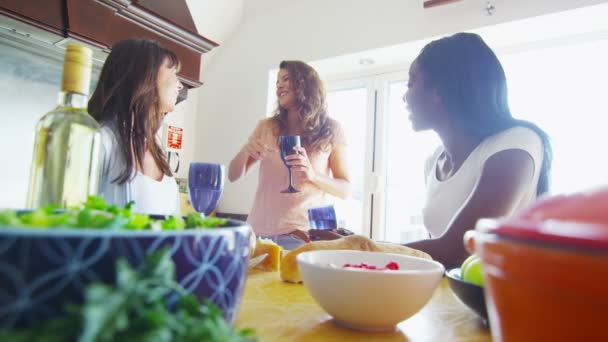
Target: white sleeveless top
{"x":150,"y":196}
{"x":444,"y":199}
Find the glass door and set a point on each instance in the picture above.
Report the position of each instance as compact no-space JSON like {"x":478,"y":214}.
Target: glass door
{"x":349,"y":103}
{"x":403,"y":161}
{"x":386,"y":158}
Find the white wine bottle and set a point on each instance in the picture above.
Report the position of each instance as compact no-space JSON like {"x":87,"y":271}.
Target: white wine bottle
{"x":65,"y":165}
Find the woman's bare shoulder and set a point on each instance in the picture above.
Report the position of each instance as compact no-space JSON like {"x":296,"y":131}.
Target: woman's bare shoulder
{"x":338,"y":133}
{"x":265,"y":127}
{"x":334,"y":124}
{"x":268,"y":123}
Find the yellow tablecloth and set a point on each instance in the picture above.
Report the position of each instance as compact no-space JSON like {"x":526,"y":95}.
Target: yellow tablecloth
{"x":279,"y":311}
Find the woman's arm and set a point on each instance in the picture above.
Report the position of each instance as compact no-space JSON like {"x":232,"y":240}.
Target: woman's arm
{"x":504,"y":179}
{"x":338,"y":184}
{"x":255,"y":149}
{"x":240,"y":164}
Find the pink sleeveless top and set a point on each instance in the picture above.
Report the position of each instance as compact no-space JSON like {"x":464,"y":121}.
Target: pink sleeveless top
{"x":276,"y":213}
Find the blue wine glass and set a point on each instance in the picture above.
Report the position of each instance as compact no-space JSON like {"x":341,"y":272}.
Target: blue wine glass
{"x":323,"y":218}
{"x":286,"y":145}
{"x":205,"y":183}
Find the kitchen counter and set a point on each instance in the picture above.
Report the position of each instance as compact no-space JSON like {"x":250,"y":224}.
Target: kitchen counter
{"x":279,"y":311}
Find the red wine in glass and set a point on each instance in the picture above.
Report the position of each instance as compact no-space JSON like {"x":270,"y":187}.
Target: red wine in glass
{"x":286,"y":145}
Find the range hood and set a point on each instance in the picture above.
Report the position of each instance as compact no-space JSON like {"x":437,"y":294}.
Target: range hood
{"x":45,"y":29}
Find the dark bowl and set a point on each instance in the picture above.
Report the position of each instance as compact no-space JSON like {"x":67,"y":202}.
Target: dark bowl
{"x":469,"y":294}
{"x":42,"y":269}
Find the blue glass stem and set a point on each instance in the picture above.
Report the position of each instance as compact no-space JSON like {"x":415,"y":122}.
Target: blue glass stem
{"x":290,"y":188}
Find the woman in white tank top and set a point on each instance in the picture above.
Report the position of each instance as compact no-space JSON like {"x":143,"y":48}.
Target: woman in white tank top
{"x":490,"y":164}
{"x":138,"y":85}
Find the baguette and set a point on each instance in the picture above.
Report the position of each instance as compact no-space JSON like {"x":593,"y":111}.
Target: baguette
{"x":289,"y":265}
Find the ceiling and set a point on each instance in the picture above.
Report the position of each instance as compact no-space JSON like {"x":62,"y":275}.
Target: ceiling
{"x":219,"y":19}
{"x":578,"y":25}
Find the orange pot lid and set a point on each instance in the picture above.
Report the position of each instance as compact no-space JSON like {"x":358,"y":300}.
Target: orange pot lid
{"x":555,"y":232}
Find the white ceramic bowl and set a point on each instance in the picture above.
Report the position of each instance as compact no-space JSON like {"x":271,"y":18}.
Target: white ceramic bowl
{"x":369,"y":300}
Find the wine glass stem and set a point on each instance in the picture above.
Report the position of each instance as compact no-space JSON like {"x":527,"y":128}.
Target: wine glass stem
{"x":290,"y":184}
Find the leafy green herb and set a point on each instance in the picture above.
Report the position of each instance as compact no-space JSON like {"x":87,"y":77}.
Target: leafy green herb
{"x":9,"y":218}
{"x":196,"y":220}
{"x":45,"y":217}
{"x":138,"y":221}
{"x":175,"y":223}
{"x":96,"y":213}
{"x":136,"y":309}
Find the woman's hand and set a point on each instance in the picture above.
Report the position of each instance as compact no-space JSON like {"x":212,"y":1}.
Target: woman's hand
{"x":253,"y":151}
{"x":300,"y":164}
{"x":258,"y":150}
{"x":301,"y":235}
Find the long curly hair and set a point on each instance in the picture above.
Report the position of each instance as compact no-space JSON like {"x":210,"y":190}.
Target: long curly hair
{"x":126,"y":97}
{"x":317,"y":128}
{"x":473,"y":85}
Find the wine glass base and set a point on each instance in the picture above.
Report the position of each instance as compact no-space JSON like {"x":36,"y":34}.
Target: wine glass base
{"x":290,"y":191}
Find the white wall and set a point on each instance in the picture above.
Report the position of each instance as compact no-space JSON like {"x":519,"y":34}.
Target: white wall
{"x":234,"y":96}
{"x":215,"y":20}
{"x":184,"y":117}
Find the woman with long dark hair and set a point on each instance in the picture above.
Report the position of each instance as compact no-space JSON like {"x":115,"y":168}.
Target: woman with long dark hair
{"x":319,"y":166}
{"x":137,"y":87}
{"x":490,"y":164}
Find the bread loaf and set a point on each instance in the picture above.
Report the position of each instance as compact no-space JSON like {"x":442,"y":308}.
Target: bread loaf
{"x":289,"y":265}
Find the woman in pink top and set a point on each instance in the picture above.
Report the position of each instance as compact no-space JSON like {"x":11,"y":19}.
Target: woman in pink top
{"x":318,"y":167}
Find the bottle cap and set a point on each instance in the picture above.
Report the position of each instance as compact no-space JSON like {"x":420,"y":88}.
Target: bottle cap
{"x":79,"y":54}
{"x":77,"y":69}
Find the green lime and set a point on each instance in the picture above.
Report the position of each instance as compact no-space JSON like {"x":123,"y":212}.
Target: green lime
{"x":472,"y":272}
{"x":466,"y":263}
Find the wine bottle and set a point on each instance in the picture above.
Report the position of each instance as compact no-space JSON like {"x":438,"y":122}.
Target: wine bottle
{"x":66,"y":161}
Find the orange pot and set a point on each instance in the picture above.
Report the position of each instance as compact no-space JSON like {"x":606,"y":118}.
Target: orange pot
{"x":545,"y":281}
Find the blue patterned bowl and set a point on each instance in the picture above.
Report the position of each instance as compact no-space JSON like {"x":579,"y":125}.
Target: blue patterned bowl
{"x":42,"y":269}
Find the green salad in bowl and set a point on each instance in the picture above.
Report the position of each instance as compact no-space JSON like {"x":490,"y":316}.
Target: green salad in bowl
{"x":50,"y":256}
{"x":96,"y":214}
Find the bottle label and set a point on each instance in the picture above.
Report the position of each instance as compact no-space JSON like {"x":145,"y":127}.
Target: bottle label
{"x":40,"y":156}
{"x":76,"y":177}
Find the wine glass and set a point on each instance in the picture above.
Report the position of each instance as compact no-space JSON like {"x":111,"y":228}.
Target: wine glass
{"x":286,"y":145}
{"x":205,"y":183}
{"x":323,"y":218}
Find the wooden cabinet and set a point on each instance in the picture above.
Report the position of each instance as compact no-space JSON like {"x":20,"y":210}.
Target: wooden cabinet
{"x":103,"y":23}
{"x":45,"y":14}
